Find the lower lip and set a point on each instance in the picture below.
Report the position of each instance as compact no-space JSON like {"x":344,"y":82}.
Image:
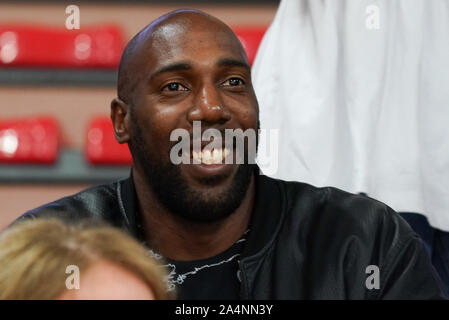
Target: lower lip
{"x":209,"y":170}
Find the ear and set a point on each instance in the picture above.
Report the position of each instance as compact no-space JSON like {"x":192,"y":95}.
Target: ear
{"x":120,"y":120}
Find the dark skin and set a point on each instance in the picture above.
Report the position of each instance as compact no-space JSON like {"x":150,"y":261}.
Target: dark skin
{"x":188,"y":67}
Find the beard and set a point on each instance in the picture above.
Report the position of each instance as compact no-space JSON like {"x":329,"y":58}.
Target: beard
{"x":201,"y":205}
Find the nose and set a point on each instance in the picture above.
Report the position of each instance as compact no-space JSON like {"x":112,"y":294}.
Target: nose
{"x":208,"y":106}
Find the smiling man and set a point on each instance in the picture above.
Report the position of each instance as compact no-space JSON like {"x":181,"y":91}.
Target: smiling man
{"x":224,"y":230}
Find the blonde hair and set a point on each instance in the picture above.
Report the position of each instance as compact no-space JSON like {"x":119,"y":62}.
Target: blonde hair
{"x":34,"y":255}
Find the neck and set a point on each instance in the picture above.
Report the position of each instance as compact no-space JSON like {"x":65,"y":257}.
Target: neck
{"x":178,"y":239}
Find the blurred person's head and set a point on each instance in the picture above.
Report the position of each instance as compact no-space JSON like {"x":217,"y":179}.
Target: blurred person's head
{"x":40,"y":258}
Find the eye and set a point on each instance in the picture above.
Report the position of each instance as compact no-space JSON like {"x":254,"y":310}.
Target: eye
{"x":174,"y":86}
{"x":234,"y":82}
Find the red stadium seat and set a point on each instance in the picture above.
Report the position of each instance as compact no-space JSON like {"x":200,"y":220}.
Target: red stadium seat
{"x":34,"y":140}
{"x":101,"y":146}
{"x":39,"y":46}
{"x":250,"y":37}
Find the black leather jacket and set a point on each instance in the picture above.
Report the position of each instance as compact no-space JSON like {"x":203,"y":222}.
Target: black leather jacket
{"x":305,"y":242}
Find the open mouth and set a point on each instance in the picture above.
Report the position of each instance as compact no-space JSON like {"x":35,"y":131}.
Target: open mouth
{"x":210,"y":157}
{"x":210,"y":162}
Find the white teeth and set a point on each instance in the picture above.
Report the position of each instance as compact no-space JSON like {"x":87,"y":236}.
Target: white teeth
{"x":206,"y":157}
{"x":196,"y":157}
{"x":215,"y":156}
{"x":185,"y":156}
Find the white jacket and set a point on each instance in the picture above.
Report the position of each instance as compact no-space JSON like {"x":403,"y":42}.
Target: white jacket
{"x":359,"y":91}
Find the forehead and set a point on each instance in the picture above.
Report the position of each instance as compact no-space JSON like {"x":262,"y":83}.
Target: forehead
{"x":198,"y":43}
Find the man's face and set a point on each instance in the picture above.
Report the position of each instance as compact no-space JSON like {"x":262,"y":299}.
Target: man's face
{"x":192,"y":72}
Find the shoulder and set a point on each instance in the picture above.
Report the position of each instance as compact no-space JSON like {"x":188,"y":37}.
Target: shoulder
{"x":337,"y":212}
{"x":95,"y":202}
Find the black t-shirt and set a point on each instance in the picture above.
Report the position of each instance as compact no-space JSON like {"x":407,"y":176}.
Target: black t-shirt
{"x":208,"y":279}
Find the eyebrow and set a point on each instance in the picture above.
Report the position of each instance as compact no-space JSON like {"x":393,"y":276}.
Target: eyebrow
{"x":178,"y":66}
{"x":182,"y":66}
{"x":230,"y":62}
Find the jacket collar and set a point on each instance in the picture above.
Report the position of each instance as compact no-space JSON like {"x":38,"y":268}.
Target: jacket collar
{"x":128,"y":196}
{"x":267,"y":216}
{"x":268,"y":213}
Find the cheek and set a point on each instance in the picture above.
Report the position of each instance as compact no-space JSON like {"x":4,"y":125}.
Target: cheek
{"x":163,"y":121}
{"x":247,"y":114}
{"x":166,"y":119}
{"x":251,"y":117}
